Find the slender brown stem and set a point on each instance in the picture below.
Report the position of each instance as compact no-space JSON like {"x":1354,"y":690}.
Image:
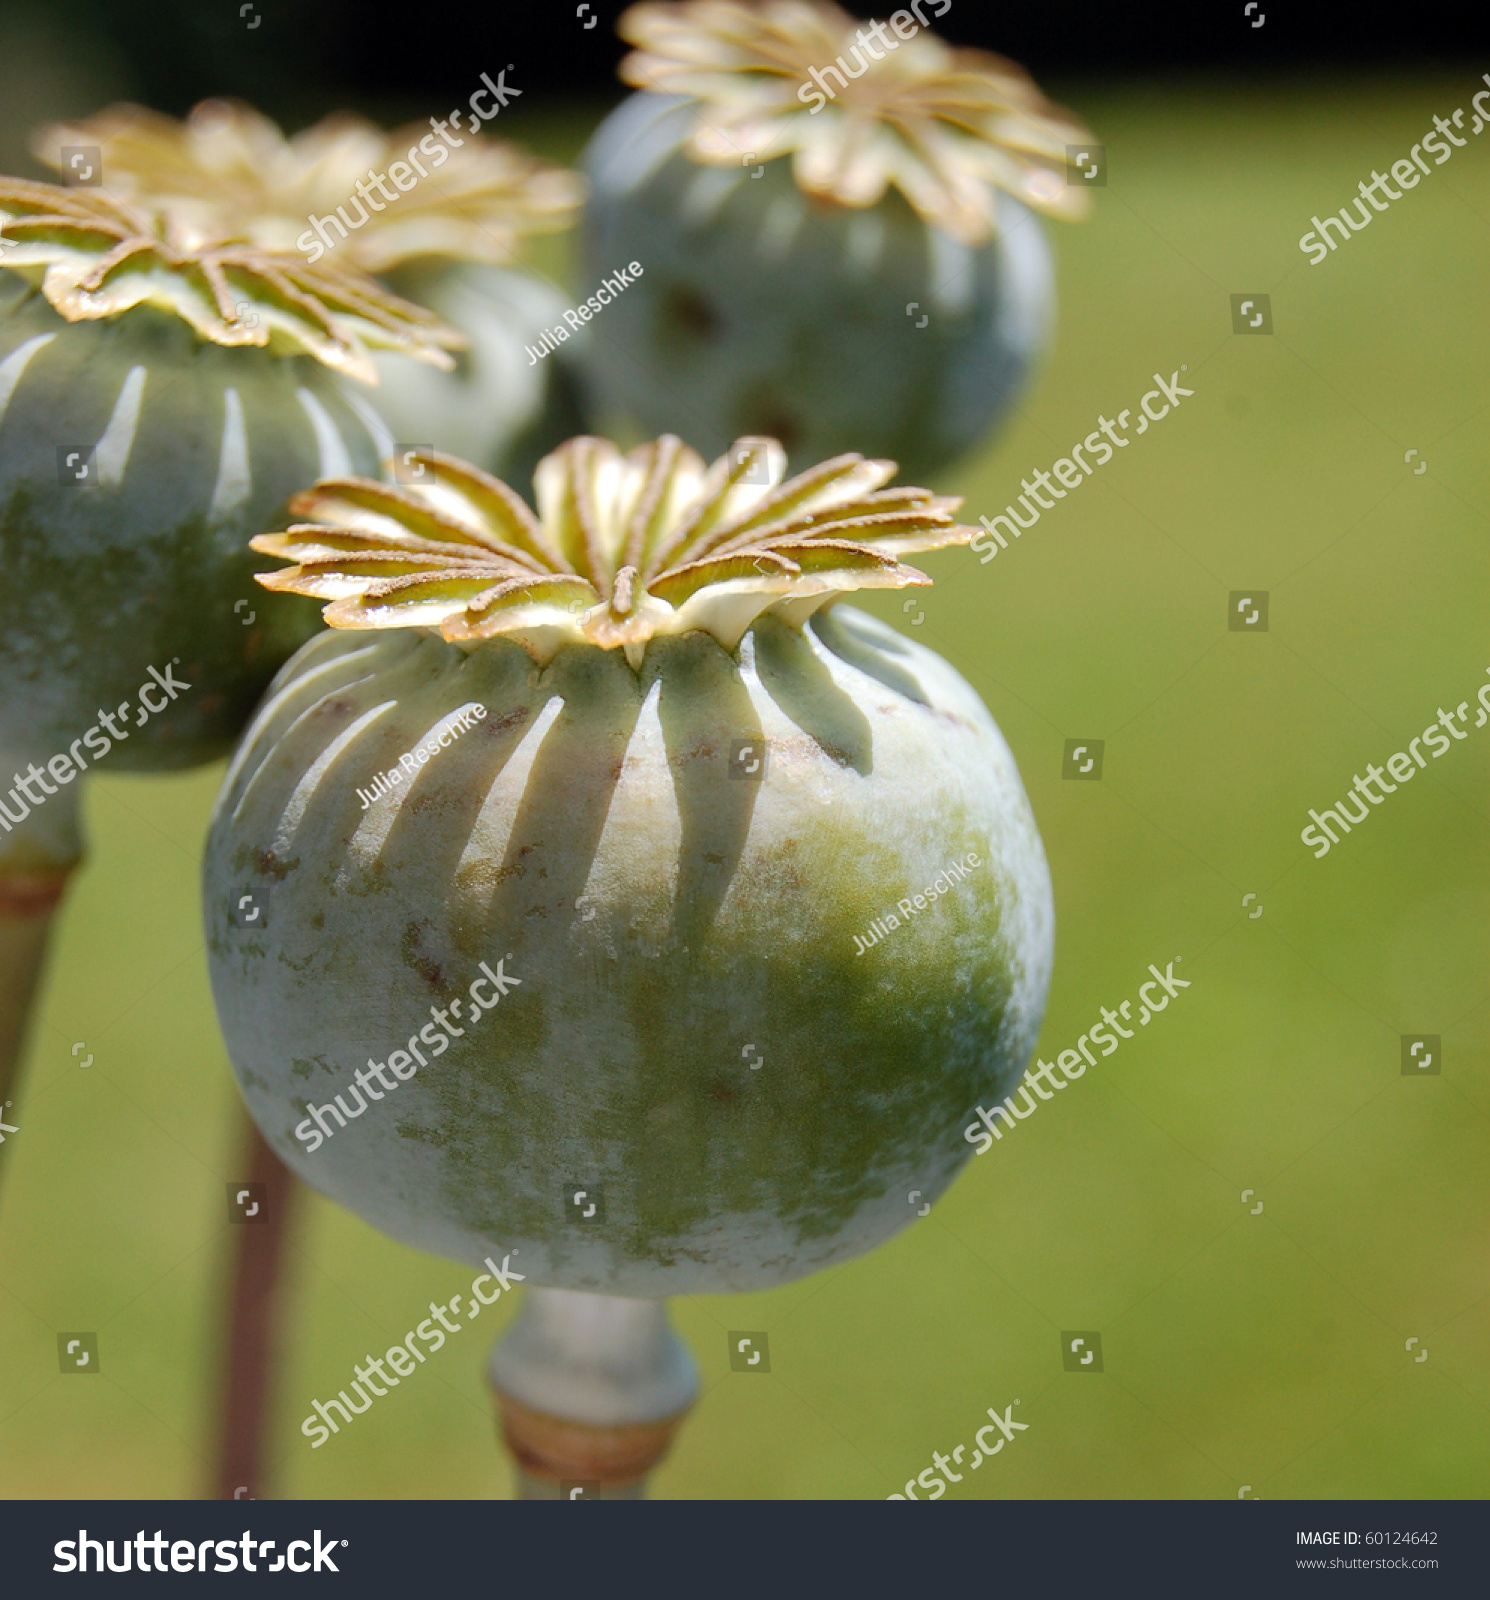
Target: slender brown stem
{"x":254,"y":1327}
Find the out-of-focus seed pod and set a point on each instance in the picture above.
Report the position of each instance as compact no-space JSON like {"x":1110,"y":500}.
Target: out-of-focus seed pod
{"x":437,"y":211}
{"x":834,"y":234}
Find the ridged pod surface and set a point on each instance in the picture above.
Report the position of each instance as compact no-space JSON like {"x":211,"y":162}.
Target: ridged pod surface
{"x":693,"y":1037}
{"x":189,"y":449}
{"x":161,"y":397}
{"x":445,"y":236}
{"x":762,"y":310}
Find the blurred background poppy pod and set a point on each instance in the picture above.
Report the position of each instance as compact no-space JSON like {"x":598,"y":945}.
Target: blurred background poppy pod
{"x":438,"y":215}
{"x":835,"y":228}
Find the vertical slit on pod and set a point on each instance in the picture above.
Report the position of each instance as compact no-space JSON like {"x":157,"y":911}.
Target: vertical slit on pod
{"x":254,"y":1324}
{"x":336,"y":461}
{"x":112,"y":453}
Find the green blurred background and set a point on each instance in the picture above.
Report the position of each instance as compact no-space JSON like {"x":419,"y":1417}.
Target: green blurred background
{"x":1266,"y":1350}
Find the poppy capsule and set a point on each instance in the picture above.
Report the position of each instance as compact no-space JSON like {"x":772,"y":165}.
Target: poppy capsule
{"x":830,"y":230}
{"x":565,"y":832}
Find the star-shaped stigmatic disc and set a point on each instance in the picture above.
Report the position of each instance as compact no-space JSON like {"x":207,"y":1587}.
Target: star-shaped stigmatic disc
{"x":947,"y":127}
{"x":624,"y":548}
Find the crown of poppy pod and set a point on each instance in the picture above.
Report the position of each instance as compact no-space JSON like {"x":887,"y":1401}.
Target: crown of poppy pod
{"x":97,"y":257}
{"x":624,"y":548}
{"x":226,"y":166}
{"x":947,"y":127}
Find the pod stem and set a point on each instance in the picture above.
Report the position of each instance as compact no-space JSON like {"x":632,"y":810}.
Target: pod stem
{"x":253,"y":1332}
{"x":28,"y":901}
{"x":590,"y":1391}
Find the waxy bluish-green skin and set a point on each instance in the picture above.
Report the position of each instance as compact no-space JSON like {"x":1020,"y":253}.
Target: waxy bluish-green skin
{"x":97,"y":583}
{"x":498,"y":409}
{"x":830,"y":328}
{"x":670,"y":924}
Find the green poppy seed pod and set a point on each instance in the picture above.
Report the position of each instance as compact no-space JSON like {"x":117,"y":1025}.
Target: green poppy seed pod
{"x":624,"y":910}
{"x":760,"y":310}
{"x":158,"y":406}
{"x":454,"y":213}
{"x":816,"y":238}
{"x":135,"y":463}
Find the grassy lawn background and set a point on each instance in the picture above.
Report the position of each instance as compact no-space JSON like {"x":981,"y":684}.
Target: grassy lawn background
{"x":1239,"y":1349}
